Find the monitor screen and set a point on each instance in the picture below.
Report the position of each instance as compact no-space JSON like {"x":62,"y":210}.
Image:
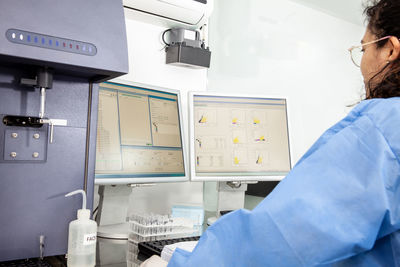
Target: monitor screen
{"x":238,"y":138}
{"x":139,"y":135}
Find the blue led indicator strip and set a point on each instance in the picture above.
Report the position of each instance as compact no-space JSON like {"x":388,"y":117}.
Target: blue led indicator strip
{"x":50,"y":42}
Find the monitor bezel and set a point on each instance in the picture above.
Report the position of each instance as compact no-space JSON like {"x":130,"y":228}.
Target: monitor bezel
{"x":236,"y":178}
{"x":155,"y":179}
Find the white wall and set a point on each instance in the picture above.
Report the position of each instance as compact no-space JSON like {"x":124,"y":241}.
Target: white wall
{"x":284,"y":48}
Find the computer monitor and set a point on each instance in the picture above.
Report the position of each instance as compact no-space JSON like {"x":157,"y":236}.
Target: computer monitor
{"x":238,"y":138}
{"x":139,"y":135}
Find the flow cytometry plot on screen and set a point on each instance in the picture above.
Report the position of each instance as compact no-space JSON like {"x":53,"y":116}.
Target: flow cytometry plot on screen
{"x":135,"y":128}
{"x":108,"y":144}
{"x":239,"y":137}
{"x":259,"y":137}
{"x":206,"y":117}
{"x":143,"y":160}
{"x":258,"y":118}
{"x":238,"y":117}
{"x":261,"y":158}
{"x":139,"y":135}
{"x":164,"y":123}
{"x":207,"y":143}
{"x":255,"y":144}
{"x":240,"y":157}
{"x":209,"y":160}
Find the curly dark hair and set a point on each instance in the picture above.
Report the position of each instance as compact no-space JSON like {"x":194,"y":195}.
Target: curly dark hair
{"x":383,"y":17}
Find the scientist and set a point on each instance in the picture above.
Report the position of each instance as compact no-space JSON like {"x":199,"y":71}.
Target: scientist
{"x":340,"y":205}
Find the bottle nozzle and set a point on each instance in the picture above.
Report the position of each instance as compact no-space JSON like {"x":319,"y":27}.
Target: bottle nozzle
{"x":83,"y":196}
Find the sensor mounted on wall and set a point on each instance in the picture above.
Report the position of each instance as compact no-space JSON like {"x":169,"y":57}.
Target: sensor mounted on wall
{"x":186,"y":48}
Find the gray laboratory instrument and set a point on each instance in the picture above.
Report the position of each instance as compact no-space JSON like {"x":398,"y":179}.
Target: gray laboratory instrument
{"x":52,"y":55}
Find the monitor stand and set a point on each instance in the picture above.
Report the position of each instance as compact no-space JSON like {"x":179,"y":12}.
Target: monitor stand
{"x":112,"y":213}
{"x":230,"y":197}
{"x":112,"y":217}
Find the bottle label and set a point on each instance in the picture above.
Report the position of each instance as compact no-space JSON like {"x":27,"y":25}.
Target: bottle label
{"x":89,"y":239}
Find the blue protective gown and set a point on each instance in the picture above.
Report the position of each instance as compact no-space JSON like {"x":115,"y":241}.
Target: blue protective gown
{"x":339,"y":206}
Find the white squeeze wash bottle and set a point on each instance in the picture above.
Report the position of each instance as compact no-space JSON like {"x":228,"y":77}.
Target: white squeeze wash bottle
{"x":82,"y":237}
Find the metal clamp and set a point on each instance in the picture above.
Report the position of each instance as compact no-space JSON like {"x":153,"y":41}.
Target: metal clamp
{"x":52,"y":123}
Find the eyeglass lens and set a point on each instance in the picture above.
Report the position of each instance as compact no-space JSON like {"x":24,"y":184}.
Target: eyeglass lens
{"x":356,"y":55}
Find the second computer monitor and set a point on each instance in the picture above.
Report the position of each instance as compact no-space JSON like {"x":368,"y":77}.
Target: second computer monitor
{"x":139,"y":135}
{"x":238,"y":138}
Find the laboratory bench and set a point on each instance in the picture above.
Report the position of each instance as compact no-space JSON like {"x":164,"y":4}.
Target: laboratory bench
{"x":109,"y":253}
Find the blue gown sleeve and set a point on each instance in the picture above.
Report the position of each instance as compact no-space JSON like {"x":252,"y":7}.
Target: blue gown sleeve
{"x":341,"y":197}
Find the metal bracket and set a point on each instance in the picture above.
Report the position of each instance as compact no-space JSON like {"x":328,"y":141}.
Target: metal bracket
{"x":52,"y":123}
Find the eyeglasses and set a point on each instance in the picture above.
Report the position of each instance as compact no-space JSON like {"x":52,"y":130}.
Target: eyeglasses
{"x":356,"y":52}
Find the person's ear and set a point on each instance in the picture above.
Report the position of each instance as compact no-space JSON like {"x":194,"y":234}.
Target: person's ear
{"x":395,"y":49}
